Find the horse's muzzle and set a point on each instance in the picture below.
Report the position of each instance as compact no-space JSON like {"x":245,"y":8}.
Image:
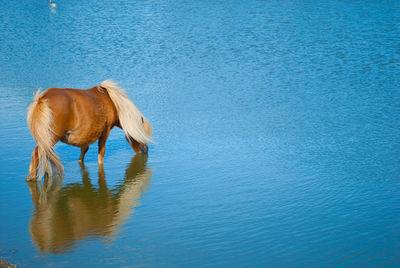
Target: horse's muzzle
{"x":144,"y":149}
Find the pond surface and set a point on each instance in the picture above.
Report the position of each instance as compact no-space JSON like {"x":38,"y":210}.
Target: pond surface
{"x":277,"y":130}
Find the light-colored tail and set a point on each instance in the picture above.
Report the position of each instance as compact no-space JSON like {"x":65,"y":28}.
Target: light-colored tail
{"x":131,"y":119}
{"x":39,"y":121}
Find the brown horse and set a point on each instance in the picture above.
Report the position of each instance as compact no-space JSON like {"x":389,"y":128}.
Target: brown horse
{"x":81,"y":117}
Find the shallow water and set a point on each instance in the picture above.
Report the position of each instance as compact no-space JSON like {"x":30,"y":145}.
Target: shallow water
{"x":276,"y":123}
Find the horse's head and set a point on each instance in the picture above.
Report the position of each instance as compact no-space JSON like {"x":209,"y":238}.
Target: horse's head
{"x":137,"y":146}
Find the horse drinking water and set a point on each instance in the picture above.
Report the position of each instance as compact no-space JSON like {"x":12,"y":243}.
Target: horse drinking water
{"x":81,"y":117}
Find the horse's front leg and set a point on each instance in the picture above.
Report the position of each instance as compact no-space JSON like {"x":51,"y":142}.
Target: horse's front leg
{"x":102,"y":145}
{"x":83,"y":152}
{"x":33,"y":165}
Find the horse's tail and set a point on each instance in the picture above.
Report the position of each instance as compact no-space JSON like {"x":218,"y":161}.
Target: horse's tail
{"x":132,"y":121}
{"x":39,"y":121}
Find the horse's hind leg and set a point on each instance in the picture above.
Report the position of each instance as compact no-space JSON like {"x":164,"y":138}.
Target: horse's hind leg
{"x":83,"y":152}
{"x":33,"y":165}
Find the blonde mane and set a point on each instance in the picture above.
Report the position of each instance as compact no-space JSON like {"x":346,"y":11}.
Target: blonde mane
{"x":130,"y":118}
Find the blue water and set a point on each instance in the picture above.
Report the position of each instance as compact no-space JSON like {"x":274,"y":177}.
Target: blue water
{"x":277,"y":130}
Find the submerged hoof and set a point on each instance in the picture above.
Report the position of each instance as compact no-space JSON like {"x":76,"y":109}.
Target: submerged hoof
{"x":31,"y":177}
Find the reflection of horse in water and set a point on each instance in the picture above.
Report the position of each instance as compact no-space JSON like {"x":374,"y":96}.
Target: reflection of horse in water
{"x":81,"y":117}
{"x":65,"y":214}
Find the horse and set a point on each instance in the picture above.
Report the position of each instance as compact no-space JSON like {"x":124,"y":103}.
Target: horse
{"x":79,"y":117}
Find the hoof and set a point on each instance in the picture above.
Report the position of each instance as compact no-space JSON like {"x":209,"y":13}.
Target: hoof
{"x":31,"y":177}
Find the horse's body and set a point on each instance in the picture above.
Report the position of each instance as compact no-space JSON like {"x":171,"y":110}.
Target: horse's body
{"x":81,"y":117}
